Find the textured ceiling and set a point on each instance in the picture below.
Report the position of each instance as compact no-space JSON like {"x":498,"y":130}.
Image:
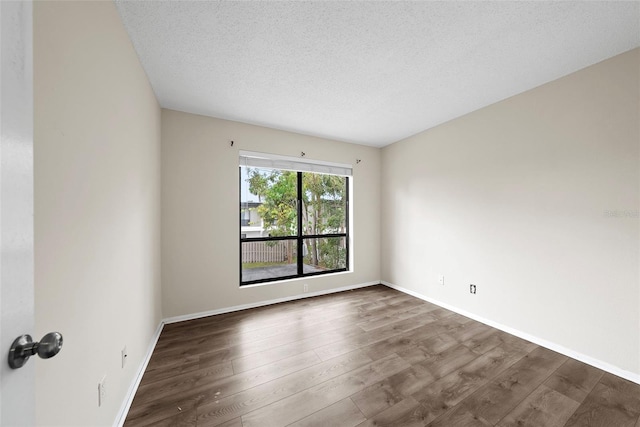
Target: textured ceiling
{"x":365,"y":72}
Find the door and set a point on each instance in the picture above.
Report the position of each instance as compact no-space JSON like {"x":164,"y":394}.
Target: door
{"x":17,"y":387}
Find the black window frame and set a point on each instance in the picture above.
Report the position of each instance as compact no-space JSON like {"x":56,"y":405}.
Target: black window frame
{"x":299,"y":237}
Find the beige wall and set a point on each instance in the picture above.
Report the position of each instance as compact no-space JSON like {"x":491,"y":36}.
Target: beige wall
{"x":517,"y":199}
{"x":200,"y":211}
{"x":97,"y":209}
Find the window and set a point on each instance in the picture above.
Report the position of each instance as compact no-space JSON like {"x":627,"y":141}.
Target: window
{"x":294,"y":218}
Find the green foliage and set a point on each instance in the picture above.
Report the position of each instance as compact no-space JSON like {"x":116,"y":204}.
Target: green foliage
{"x":331,"y":254}
{"x":277,"y":190}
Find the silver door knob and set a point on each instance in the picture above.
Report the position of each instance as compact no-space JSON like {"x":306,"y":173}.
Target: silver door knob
{"x":23,"y":348}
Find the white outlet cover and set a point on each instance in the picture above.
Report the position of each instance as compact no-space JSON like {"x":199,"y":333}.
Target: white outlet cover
{"x":102,"y":390}
{"x":441,"y":279}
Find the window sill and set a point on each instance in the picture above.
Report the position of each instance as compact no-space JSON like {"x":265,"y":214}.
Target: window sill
{"x":295,"y":279}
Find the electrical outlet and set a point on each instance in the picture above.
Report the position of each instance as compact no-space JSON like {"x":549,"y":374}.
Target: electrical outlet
{"x":102,"y":390}
{"x":124,"y":356}
{"x":441,"y":279}
{"x":472,"y":289}
{"x":306,"y":287}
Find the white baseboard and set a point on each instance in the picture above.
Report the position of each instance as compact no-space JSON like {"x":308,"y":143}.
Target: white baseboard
{"x":124,"y":409}
{"x":536,"y":340}
{"x":268,"y":302}
{"x":126,"y":405}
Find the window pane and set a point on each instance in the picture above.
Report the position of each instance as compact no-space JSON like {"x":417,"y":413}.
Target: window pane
{"x":273,"y":204}
{"x":324,"y":254}
{"x":324,"y":202}
{"x":269,"y":260}
{"x":268,"y":202}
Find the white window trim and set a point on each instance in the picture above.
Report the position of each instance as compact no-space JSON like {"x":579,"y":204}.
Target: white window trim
{"x":275,"y":161}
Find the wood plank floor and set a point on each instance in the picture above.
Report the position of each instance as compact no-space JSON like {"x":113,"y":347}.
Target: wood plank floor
{"x":368,"y":357}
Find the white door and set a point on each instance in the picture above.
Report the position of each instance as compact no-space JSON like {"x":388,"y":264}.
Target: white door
{"x":17,"y":390}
